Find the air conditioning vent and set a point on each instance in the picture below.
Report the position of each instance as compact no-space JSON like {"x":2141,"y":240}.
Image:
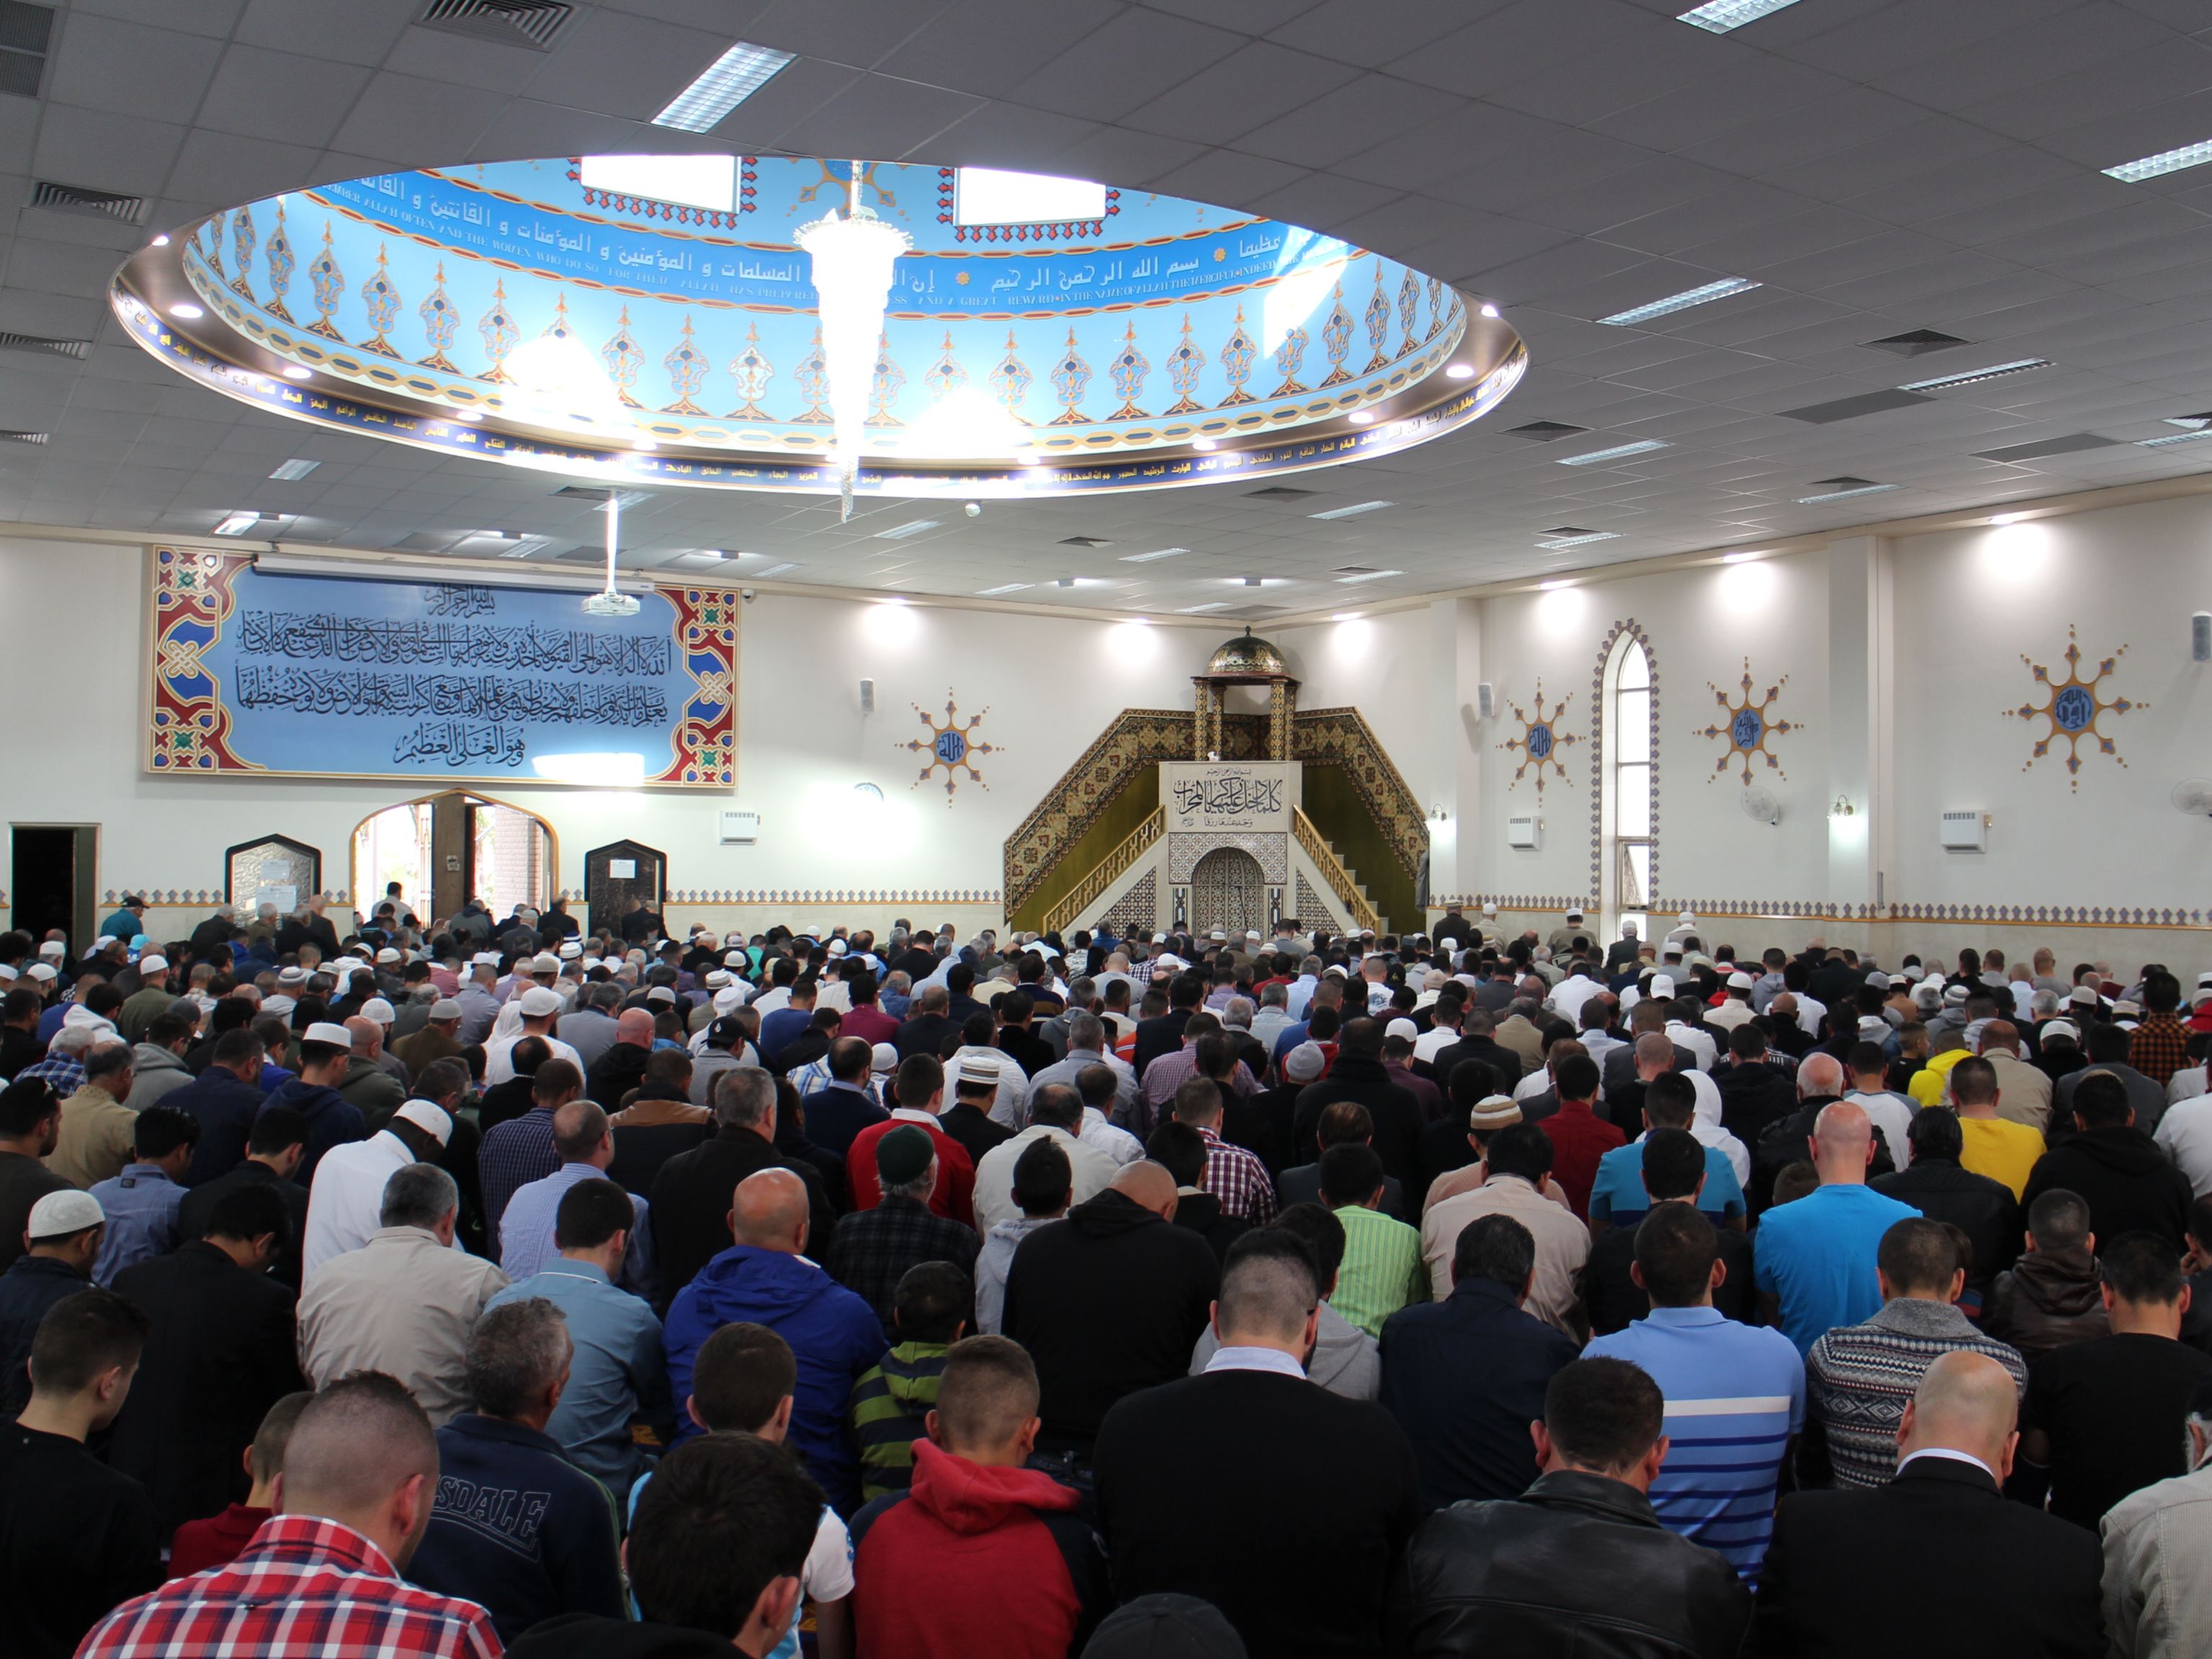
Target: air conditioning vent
{"x":22,"y":437}
{"x":25,"y":33}
{"x":2072,"y":445}
{"x":1279,"y":492}
{"x":1566,"y":530}
{"x":40,"y":343}
{"x":1846,"y":482}
{"x":1846,"y":408}
{"x":740,"y":828}
{"x":1085,"y":541}
{"x":531,"y":23}
{"x":1918,"y":342}
{"x":1965,"y":832}
{"x":1521,"y":831}
{"x":1356,"y":569}
{"x":1544,"y":432}
{"x":626,"y":498}
{"x":73,"y":198}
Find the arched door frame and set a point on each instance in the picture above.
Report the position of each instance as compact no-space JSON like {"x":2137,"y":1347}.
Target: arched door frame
{"x":365,"y":902}
{"x":1605,"y":842}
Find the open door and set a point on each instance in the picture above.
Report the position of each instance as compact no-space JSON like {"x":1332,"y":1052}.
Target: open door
{"x":618,"y":872}
{"x":51,"y":880}
{"x":443,"y":849}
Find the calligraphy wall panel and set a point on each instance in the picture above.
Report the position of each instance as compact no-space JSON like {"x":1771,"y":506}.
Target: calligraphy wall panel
{"x":276,"y":674}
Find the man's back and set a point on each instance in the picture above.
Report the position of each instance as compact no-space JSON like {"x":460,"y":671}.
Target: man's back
{"x":1859,"y":1378}
{"x":2112,"y":1409}
{"x":1282,"y":1505}
{"x":1578,"y":1565}
{"x":403,"y":1304}
{"x":1464,"y":1378}
{"x":1936,"y":1562}
{"x":1108,"y":1301}
{"x":1816,"y":1255}
{"x":2129,"y":1183}
{"x":692,"y":1203}
{"x":75,"y":1538}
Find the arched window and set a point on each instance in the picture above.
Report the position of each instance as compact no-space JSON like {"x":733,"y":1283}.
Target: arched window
{"x":1626,"y":765}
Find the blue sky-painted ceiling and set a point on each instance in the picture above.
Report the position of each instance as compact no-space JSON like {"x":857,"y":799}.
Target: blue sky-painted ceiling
{"x":1156,"y":321}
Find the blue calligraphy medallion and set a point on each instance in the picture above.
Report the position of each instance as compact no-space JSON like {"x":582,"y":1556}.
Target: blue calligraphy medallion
{"x":1540,"y":742}
{"x":1746,"y":730}
{"x":2073,"y":709}
{"x":950,"y":748}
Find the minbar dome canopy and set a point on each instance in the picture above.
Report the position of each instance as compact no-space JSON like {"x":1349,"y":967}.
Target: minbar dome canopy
{"x":1246,"y":656}
{"x":653,"y":319}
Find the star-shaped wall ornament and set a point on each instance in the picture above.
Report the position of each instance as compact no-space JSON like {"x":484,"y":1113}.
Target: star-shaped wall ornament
{"x":953,"y":746}
{"x":1750,"y":727}
{"x":2076,"y":706}
{"x":1541,"y":741}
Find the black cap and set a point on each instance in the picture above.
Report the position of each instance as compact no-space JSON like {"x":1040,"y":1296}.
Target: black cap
{"x":1166,"y":1627}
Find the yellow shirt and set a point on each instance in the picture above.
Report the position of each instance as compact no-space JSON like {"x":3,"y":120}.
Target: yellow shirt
{"x":1931,"y":1083}
{"x":2001,"y":1151}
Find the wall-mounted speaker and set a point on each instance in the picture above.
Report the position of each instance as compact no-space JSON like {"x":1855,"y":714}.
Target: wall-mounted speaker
{"x":1485,"y":700}
{"x":867,"y":696}
{"x":2200,"y":636}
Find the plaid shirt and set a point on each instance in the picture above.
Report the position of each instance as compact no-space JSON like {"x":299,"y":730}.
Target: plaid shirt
{"x":1238,"y":1179}
{"x":2159,"y":1049}
{"x":65,"y":1075}
{"x":810,"y":1078}
{"x":514,"y":1154}
{"x":303,"y":1588}
{"x":872,"y":1250}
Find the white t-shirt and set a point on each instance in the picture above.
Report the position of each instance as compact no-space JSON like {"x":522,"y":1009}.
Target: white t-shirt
{"x":826,"y":1576}
{"x":1433,"y":1042}
{"x":1889,"y":1114}
{"x":499,"y":1056}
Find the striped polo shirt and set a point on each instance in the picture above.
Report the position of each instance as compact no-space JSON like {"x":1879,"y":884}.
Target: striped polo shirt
{"x":1734,"y":1395}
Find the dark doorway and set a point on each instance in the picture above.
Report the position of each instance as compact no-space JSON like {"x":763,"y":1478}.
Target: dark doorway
{"x":51,"y":880}
{"x":618,"y":872}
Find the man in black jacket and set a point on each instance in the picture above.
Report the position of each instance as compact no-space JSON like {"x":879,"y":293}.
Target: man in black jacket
{"x":1197,"y":1496}
{"x":1754,"y":1092}
{"x":691,"y":1192}
{"x":220,"y":1354}
{"x":223,"y":1100}
{"x":1108,"y":1301}
{"x":2130,"y":1184}
{"x":1476,"y":1042}
{"x":1360,"y":1075}
{"x":1579,"y":1562}
{"x":927,"y":1026}
{"x":278,"y":1142}
{"x":1941,"y":1526}
{"x":1983,"y":1209}
{"x":1164,"y":1033}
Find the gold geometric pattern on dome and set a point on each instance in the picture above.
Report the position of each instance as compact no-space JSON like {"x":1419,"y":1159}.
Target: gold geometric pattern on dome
{"x":1247,"y":654}
{"x":2076,"y":705}
{"x":953,"y":746}
{"x":1750,"y":727}
{"x":1541,"y":740}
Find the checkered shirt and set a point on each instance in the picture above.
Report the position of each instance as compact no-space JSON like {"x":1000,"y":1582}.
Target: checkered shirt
{"x":303,"y":1588}
{"x":1238,"y":1179}
{"x":2159,"y":1049}
{"x":65,"y":1075}
{"x":514,"y":1154}
{"x":872,"y":1250}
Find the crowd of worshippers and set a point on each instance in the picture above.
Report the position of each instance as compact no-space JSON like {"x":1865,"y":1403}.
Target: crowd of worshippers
{"x":489,"y":1285}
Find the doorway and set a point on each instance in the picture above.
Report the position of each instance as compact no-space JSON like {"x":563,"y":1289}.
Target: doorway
{"x":51,"y":880}
{"x":614,"y":875}
{"x":445,"y":849}
{"x":1228,"y":890}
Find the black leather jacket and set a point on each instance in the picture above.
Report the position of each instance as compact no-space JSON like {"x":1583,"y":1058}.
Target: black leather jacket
{"x":1578,"y":1564}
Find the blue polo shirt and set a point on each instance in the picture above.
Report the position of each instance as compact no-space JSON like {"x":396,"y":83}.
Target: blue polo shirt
{"x":1817,"y":1255}
{"x":1617,"y":1195}
{"x":1734,"y":1395}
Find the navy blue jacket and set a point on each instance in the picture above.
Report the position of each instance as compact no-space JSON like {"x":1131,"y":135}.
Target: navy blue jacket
{"x":31,"y":1284}
{"x":332,"y":1121}
{"x":225,"y":1108}
{"x":518,"y":1528}
{"x":1465,"y":1378}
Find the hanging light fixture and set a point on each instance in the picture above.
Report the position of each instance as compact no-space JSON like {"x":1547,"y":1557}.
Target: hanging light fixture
{"x":853,"y":258}
{"x":609,"y":603}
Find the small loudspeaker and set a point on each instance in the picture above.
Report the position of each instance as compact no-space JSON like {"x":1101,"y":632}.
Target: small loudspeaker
{"x":2200,"y":636}
{"x":1485,"y":700}
{"x":867,"y":696}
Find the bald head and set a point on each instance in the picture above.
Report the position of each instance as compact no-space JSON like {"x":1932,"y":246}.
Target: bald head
{"x":579,"y":1130}
{"x":635,"y":1026}
{"x":362,"y":1454}
{"x":2001,"y":1036}
{"x":769,"y":1210}
{"x":1843,"y":1143}
{"x":367,"y":1036}
{"x":1819,"y":1074}
{"x":1149,"y":1184}
{"x":1655,"y":1052}
{"x":1966,"y":1402}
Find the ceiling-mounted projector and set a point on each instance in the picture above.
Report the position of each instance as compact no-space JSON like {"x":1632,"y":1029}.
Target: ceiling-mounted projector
{"x":610,"y":604}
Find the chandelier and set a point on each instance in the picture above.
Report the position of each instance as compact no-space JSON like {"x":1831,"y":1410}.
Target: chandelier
{"x":853,"y":259}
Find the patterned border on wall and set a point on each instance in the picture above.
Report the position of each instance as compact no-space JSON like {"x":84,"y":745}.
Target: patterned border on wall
{"x":832,"y":896}
{"x":1272,"y":852}
{"x":1633,"y":629}
{"x":1138,"y":907}
{"x":1342,"y":737}
{"x":1313,"y":910}
{"x":2053,"y":916}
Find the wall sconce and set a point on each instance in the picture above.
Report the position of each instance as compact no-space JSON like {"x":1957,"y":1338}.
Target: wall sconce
{"x":1843,"y":808}
{"x":1438,"y":815}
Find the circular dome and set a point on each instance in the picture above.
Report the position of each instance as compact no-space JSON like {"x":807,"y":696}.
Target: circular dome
{"x":657,"y":320}
{"x":1247,"y":656}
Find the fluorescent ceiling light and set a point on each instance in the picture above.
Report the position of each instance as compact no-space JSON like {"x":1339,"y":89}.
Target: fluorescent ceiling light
{"x":295,"y":469}
{"x":1844,"y":495}
{"x":1352,"y":511}
{"x":1157,"y":553}
{"x":901,"y":532}
{"x":1740,"y":558}
{"x":731,"y":79}
{"x":1682,"y":302}
{"x":1719,"y":16}
{"x":991,"y":196}
{"x":239,"y":523}
{"x":2176,"y":438}
{"x":2168,"y":160}
{"x":699,"y":181}
{"x":1007,"y":587}
{"x":1369,"y":577}
{"x":1347,"y":616}
{"x":1973,"y":374}
{"x":1556,"y":582}
{"x":1194,"y":610}
{"x":1618,"y":453}
{"x":776,"y":570}
{"x":1581,"y":541}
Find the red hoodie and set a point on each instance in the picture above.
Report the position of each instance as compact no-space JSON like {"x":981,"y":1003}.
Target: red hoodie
{"x":974,"y":1563}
